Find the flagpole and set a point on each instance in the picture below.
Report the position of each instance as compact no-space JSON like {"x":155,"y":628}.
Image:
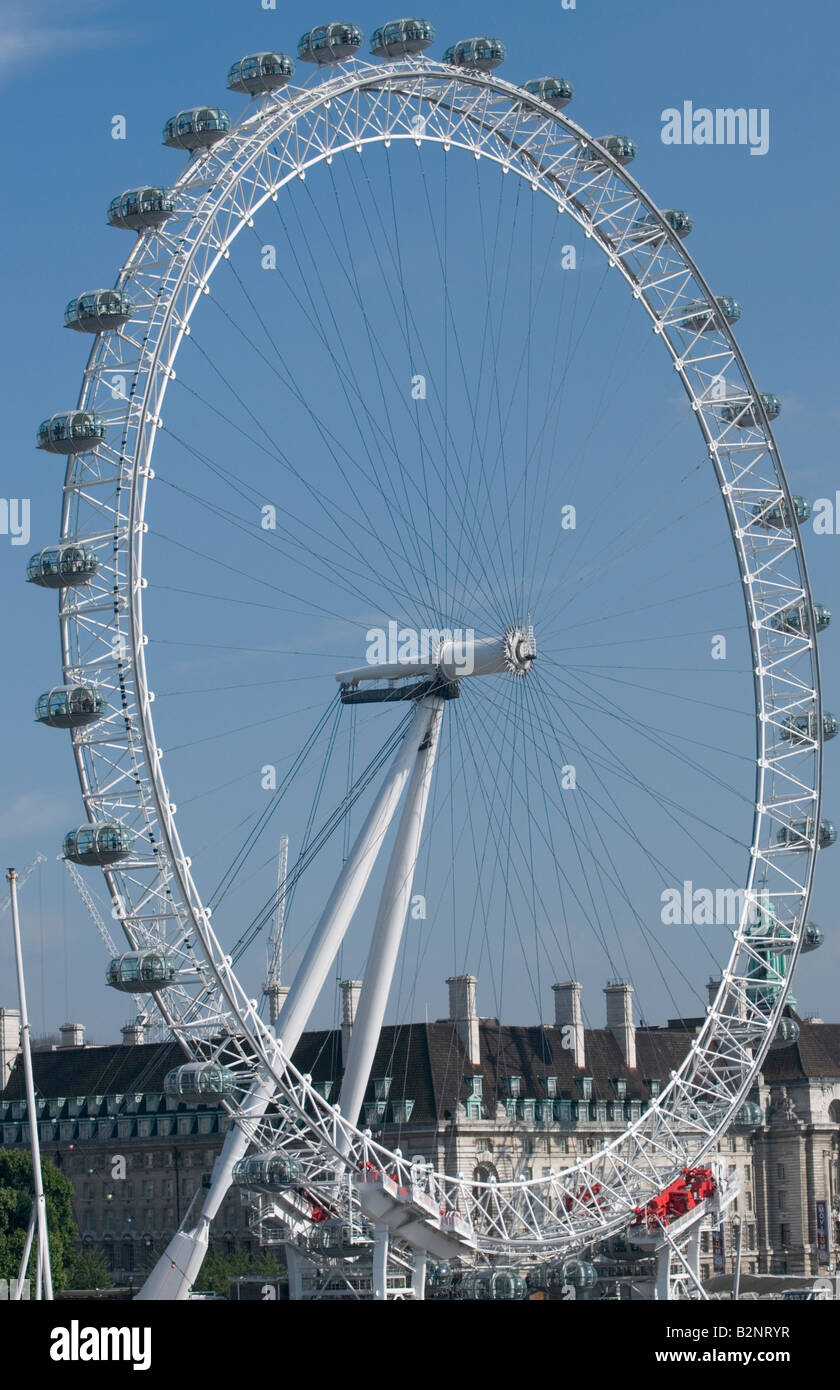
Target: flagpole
{"x":44,"y":1287}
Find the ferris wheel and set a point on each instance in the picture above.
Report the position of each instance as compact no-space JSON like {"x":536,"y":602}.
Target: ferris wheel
{"x":348,"y":339}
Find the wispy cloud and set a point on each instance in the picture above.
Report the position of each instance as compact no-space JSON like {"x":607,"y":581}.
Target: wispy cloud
{"x":36,"y":811}
{"x":39,"y":29}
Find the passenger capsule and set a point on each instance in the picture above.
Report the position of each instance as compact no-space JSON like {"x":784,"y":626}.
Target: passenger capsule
{"x":554,"y":91}
{"x":799,"y":833}
{"x":101,"y":844}
{"x":196,"y":129}
{"x":621,"y":147}
{"x":701,"y":318}
{"x":269,"y":1172}
{"x":648,"y":228}
{"x":70,"y":706}
{"x":580,"y":1274}
{"x":750,"y":1115}
{"x":795,"y":619}
{"x":743,"y":411}
{"x":200,"y":1081}
{"x":261,"y":72}
{"x":801,"y":728}
{"x":71,"y":432}
{"x":479,"y":54}
{"x":138,"y":209}
{"x":773,"y":516}
{"x":812,"y":938}
{"x":139,"y":972}
{"x":98,"y":311}
{"x":400,"y":38}
{"x":330,"y":43}
{"x":66,"y":566}
{"x":493,"y":1284}
{"x":786,"y":1034}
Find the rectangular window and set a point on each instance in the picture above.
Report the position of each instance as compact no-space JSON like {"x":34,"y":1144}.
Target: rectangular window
{"x":780,"y":1172}
{"x":784,"y":1237}
{"x":551,"y":1087}
{"x":514,"y":1087}
{"x":782,"y":1201}
{"x":747,"y":1172}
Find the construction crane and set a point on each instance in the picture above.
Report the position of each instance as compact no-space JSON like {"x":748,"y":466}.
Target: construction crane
{"x":273,"y":990}
{"x":21,"y":878}
{"x":91,"y":905}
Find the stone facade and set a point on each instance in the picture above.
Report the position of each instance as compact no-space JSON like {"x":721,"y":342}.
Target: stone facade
{"x":467,"y":1094}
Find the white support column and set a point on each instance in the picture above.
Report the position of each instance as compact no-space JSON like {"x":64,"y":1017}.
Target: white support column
{"x":418,"y":1280}
{"x":380,"y":1263}
{"x":390,"y":920}
{"x":178,"y":1267}
{"x":344,"y":899}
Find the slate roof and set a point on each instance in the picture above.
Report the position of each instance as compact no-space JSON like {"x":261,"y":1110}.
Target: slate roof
{"x":427,"y":1064}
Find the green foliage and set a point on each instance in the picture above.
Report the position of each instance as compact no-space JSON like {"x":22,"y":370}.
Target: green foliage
{"x":218,"y":1269}
{"x":16,"y":1204}
{"x":87,"y":1270}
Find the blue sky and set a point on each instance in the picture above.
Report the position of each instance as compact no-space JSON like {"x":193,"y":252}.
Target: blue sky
{"x":764,"y":231}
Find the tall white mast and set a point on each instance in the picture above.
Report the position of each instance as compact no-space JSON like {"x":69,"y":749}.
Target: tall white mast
{"x":43,"y":1286}
{"x":274,"y":991}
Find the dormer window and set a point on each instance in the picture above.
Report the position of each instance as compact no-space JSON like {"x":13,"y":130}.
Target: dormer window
{"x":620,"y":1088}
{"x":653,"y":1086}
{"x":586,"y":1087}
{"x":514,"y":1084}
{"x":381,"y":1087}
{"x":476,"y":1086}
{"x":550,"y":1086}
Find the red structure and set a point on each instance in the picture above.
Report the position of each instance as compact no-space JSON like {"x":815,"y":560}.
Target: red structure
{"x":694,"y":1186}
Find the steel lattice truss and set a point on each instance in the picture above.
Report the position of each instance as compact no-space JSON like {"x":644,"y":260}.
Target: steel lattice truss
{"x":121,"y":768}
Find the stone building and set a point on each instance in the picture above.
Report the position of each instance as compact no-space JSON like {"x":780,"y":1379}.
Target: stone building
{"x":466,"y":1093}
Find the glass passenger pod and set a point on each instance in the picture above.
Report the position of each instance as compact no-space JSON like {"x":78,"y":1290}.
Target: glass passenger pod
{"x":580,"y":1274}
{"x":140,"y":972}
{"x":196,"y":129}
{"x":98,"y":311}
{"x":786,"y":1034}
{"x":699,"y":318}
{"x":261,"y":72}
{"x":744,"y":412}
{"x":138,"y":209}
{"x":401,"y":38}
{"x":750,"y":1115}
{"x":70,"y":706}
{"x":812,"y":938}
{"x":773,"y":516}
{"x":554,"y":91}
{"x":71,"y":432}
{"x":479,"y":54}
{"x":493,"y":1284}
{"x":269,"y":1172}
{"x":330,"y":43}
{"x":102,"y":844}
{"x":62,"y":566}
{"x":798,"y":834}
{"x":802,"y":728}
{"x":795,"y":619}
{"x":648,"y":228}
{"x":200,"y":1081}
{"x":621,"y":147}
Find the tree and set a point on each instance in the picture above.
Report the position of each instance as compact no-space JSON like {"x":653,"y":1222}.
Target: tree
{"x":219,"y":1269}
{"x":87,"y":1270}
{"x":16,"y":1196}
